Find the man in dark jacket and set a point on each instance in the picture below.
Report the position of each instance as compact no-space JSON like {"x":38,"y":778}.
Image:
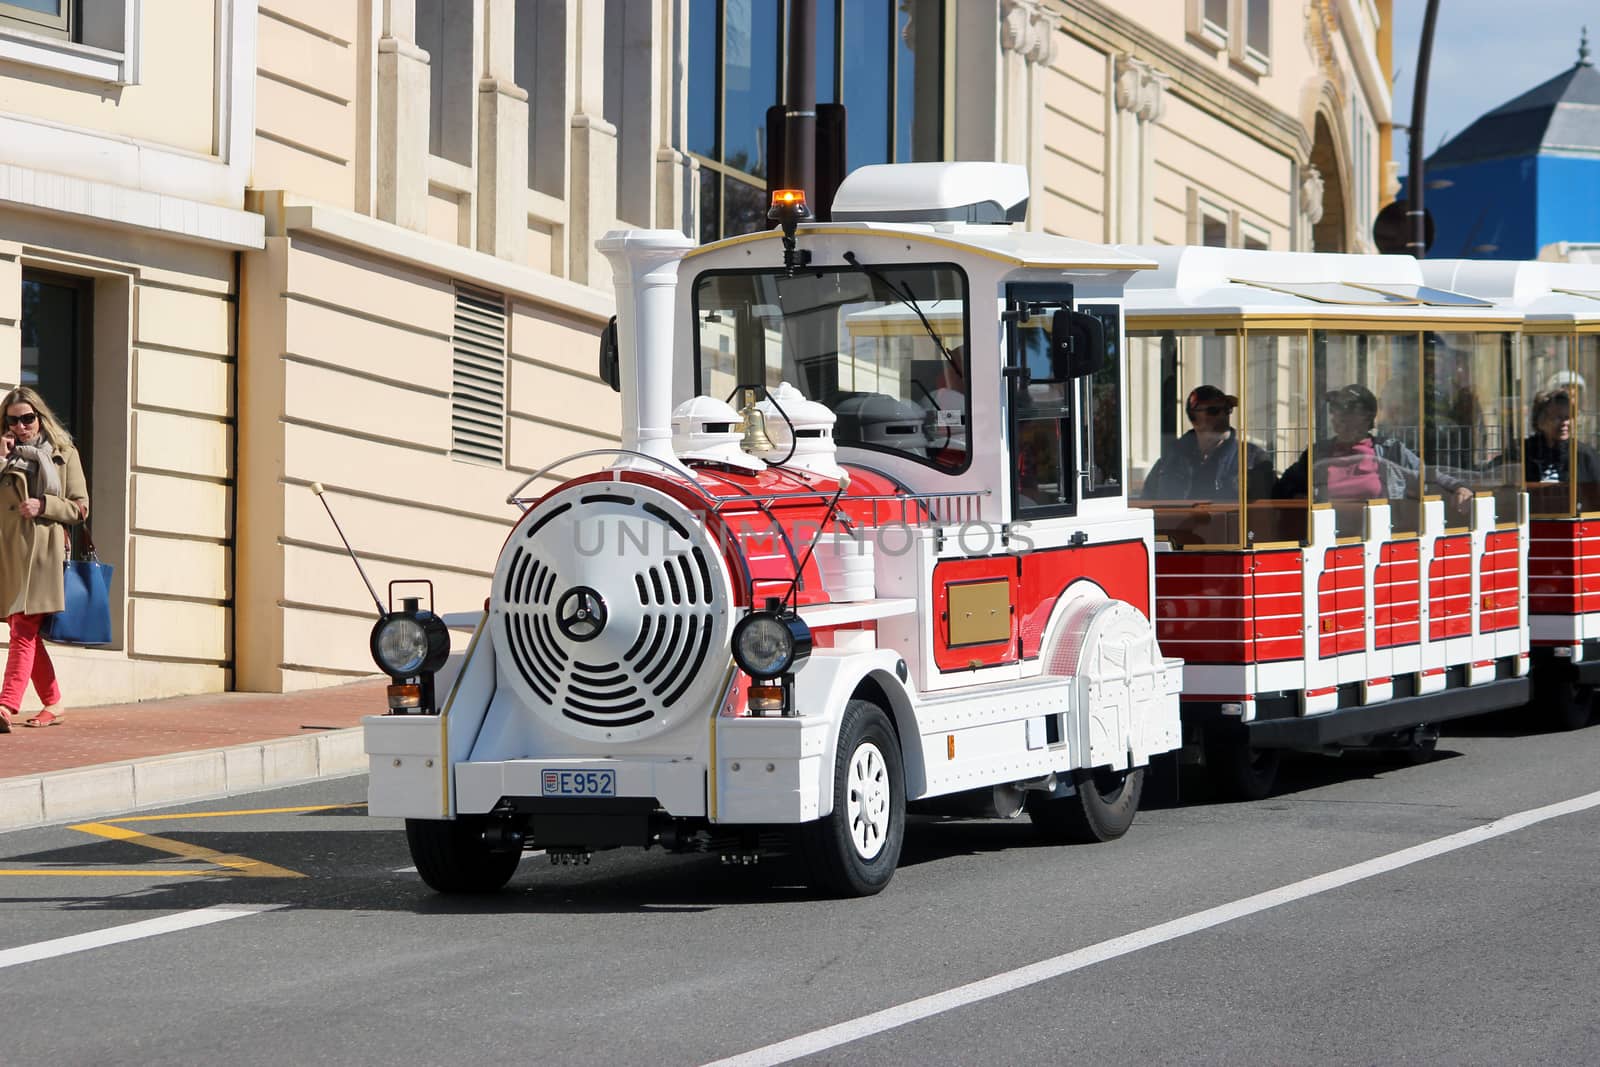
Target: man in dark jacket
{"x":1203,"y":464}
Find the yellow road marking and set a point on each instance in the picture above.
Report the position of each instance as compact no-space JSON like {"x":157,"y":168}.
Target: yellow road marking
{"x":238,"y":864}
{"x":63,"y":871}
{"x":231,"y":865}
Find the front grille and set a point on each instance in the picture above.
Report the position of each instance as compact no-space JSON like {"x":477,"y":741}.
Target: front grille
{"x":662,"y":610}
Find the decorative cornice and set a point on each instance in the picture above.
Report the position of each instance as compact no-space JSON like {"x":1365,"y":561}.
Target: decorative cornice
{"x":1028,"y":30}
{"x":1103,"y":27}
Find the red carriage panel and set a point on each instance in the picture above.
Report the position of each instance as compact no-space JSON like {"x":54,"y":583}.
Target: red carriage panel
{"x":1397,"y":595}
{"x":1450,"y":588}
{"x":1231,"y":608}
{"x":1120,"y":568}
{"x":1497,"y":583}
{"x":1342,"y":602}
{"x":1563,"y":567}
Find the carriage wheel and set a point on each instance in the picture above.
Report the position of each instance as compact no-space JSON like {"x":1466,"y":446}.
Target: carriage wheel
{"x":1239,"y":771}
{"x":1101,"y":810}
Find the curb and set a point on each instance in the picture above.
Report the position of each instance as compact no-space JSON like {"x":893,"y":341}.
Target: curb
{"x":109,"y":789}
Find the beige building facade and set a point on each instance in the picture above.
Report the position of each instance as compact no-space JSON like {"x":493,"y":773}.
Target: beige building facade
{"x":251,"y":245}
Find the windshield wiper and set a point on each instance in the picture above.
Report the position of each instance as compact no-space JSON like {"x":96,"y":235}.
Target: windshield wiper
{"x":905,"y":298}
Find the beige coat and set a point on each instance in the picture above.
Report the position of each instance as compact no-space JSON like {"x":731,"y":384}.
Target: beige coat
{"x":33,"y":552}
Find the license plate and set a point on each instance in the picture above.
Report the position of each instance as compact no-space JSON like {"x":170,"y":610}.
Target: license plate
{"x":580,"y":783}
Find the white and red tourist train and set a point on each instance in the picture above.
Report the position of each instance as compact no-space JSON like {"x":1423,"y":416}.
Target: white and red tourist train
{"x":915,"y":510}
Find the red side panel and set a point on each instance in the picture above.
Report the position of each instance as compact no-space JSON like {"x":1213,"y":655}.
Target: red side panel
{"x":1397,"y":595}
{"x":1563,"y":567}
{"x":1121,"y":568}
{"x":1497,"y":582}
{"x":1229,"y":608}
{"x":1342,"y":602}
{"x":1450,"y":588}
{"x":958,"y":572}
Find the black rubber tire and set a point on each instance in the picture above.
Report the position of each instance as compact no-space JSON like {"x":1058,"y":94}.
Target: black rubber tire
{"x":1239,"y":772}
{"x":1102,"y":809}
{"x":834,"y":864}
{"x":1564,"y":705}
{"x":451,"y":857}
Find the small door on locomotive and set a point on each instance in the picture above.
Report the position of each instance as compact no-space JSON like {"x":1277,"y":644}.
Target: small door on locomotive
{"x":1559,"y":437}
{"x":1330,"y":450}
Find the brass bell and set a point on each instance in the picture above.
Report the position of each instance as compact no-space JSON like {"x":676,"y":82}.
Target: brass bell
{"x":755,"y":440}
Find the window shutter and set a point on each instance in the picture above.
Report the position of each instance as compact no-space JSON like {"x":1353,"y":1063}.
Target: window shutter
{"x":478,"y":377}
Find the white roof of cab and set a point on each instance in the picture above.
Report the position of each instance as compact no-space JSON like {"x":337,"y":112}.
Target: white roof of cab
{"x":1542,"y":291}
{"x":1245,"y":283}
{"x":1014,"y":247}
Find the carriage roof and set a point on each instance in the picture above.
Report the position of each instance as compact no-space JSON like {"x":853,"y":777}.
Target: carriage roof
{"x":1222,"y":287}
{"x":1546,"y":294}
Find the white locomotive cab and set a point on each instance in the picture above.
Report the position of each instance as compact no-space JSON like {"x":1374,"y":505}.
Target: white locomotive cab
{"x":906,"y":578}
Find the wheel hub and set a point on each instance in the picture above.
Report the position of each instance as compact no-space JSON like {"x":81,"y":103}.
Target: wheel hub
{"x":867,"y":800}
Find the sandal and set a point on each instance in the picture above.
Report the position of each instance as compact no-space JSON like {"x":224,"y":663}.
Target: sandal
{"x":46,"y":718}
{"x":5,"y":719}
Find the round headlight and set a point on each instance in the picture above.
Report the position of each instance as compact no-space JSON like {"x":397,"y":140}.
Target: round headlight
{"x":766,"y":645}
{"x":399,"y":645}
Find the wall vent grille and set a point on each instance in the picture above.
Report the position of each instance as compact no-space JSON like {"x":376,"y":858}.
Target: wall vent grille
{"x":478,"y":377}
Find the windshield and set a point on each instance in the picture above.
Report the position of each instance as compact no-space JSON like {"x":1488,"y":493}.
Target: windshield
{"x":883,"y":348}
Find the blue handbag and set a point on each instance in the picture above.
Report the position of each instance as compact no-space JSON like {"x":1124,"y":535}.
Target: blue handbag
{"x":86,"y":619}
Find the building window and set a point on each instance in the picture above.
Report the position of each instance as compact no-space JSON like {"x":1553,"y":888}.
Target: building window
{"x":1253,"y":237}
{"x":1208,"y":223}
{"x":52,"y":18}
{"x":56,"y":317}
{"x":98,"y":41}
{"x":444,"y":31}
{"x":541,"y":69}
{"x":1207,"y":22}
{"x":478,"y":377}
{"x":1250,"y":45}
{"x":883,"y":59}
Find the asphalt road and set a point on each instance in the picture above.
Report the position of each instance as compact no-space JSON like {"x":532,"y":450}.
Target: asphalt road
{"x":318,"y":945}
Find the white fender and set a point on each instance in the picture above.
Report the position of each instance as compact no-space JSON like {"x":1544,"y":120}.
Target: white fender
{"x":823,"y":687}
{"x":1125,"y":691}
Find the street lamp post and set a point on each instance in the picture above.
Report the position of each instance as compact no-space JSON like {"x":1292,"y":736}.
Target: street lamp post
{"x":1416,"y":213}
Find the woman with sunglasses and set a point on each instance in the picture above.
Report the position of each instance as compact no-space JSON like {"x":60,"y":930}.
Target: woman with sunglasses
{"x":41,"y":491}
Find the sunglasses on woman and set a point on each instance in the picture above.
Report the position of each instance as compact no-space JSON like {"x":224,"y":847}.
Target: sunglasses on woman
{"x":1212,"y":409}
{"x":27,"y":419}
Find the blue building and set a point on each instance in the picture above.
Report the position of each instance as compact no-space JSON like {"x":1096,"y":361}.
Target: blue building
{"x":1522,"y":176}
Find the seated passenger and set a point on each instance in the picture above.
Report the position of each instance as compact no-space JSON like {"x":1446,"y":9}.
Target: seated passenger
{"x":1355,"y":465}
{"x":1203,"y":464}
{"x":1546,"y":454}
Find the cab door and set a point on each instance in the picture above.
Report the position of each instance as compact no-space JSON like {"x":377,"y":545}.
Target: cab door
{"x":1042,"y":413}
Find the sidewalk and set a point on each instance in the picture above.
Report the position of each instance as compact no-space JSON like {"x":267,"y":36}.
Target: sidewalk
{"x":102,"y":761}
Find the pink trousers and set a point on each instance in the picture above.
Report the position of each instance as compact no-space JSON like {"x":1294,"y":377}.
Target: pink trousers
{"x":28,"y":661}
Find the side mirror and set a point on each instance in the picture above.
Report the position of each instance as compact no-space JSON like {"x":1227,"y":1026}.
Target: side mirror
{"x":1077,"y":345}
{"x":609,"y":367}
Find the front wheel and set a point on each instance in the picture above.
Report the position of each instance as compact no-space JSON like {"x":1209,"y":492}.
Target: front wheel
{"x":451,"y":856}
{"x":853,"y":851}
{"x":1102,"y":809}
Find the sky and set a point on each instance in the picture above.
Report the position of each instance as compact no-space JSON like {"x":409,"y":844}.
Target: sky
{"x":1485,"y":52}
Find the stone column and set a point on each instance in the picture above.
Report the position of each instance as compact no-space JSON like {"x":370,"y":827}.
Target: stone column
{"x":1139,"y":98}
{"x":592,"y":188}
{"x":502,"y":139}
{"x":402,"y":141}
{"x":1027,"y":43}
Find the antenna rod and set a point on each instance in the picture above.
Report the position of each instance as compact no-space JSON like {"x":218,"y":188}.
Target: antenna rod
{"x":316,"y":487}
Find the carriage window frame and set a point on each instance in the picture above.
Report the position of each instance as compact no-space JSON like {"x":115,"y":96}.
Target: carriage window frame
{"x":698,"y":383}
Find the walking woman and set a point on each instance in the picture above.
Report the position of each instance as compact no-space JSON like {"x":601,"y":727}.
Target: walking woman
{"x":41,"y":492}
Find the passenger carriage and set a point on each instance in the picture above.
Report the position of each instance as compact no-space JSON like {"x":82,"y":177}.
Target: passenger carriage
{"x":1560,"y":307}
{"x":866,"y":544}
{"x":1342,"y":591}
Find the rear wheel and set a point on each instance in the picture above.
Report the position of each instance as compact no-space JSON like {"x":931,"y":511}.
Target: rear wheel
{"x":1564,"y":705}
{"x":451,"y":856}
{"x":1102,"y":809}
{"x":853,"y":851}
{"x":1240,"y":772}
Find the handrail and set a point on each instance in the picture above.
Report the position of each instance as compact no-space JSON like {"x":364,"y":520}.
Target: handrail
{"x":716,"y":504}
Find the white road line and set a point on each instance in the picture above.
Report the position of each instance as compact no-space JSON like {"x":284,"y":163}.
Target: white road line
{"x":166,"y":924}
{"x":1000,"y":984}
